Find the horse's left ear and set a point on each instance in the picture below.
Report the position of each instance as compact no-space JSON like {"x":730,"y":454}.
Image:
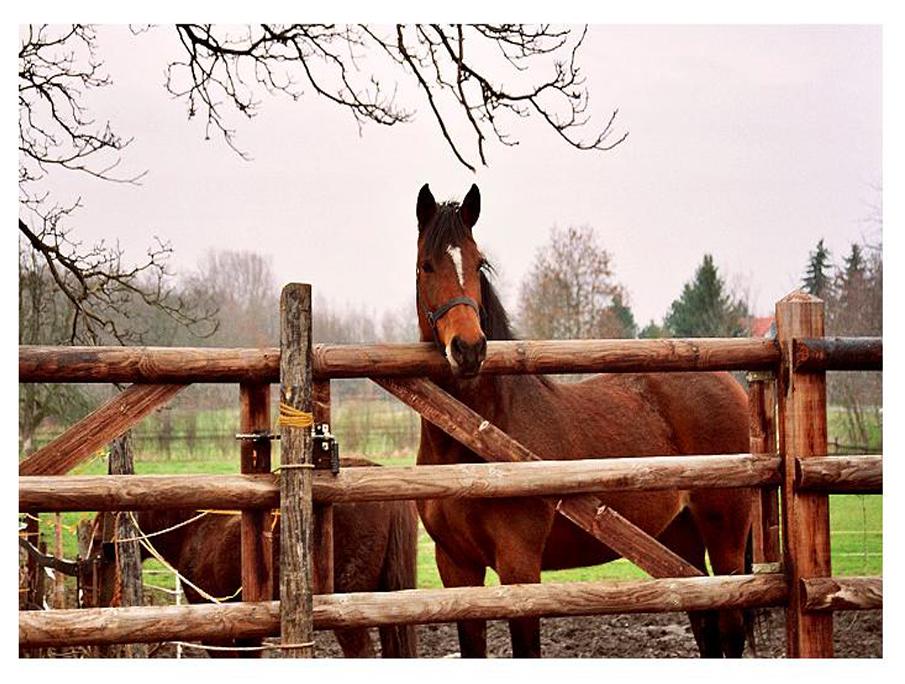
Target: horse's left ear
{"x":471,"y":207}
{"x":426,"y":207}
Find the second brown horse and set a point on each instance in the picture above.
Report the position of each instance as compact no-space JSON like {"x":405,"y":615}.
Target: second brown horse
{"x":375,"y":549}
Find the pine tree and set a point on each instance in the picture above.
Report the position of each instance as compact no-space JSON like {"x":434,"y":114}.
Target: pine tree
{"x":816,"y":277}
{"x":652,"y":331}
{"x":705,"y":309}
{"x":624,"y":316}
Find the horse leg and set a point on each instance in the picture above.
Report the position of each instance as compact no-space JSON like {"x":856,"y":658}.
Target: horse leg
{"x":400,"y":568}
{"x":355,"y":643}
{"x":682,"y":537}
{"x":723,"y":518}
{"x":519,"y":567}
{"x":472,"y":633}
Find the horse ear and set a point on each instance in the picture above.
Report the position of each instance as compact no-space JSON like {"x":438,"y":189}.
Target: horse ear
{"x":471,"y":207}
{"x":426,"y":208}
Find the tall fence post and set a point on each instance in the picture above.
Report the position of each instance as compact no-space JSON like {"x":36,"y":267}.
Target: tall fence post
{"x":257,"y":560}
{"x":805,"y":515}
{"x":254,"y":418}
{"x":296,"y":466}
{"x":762,"y":438}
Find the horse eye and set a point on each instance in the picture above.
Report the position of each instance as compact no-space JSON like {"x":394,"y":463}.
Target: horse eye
{"x":427,"y":267}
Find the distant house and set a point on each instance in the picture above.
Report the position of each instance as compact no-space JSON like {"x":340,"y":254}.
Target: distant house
{"x":761,"y":326}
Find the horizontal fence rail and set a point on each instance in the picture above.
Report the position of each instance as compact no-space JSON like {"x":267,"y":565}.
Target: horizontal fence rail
{"x":838,"y":353}
{"x":59,"y":493}
{"x":843,"y":593}
{"x":195,"y":364}
{"x":467,"y":480}
{"x":862,"y":474}
{"x":415,"y":606}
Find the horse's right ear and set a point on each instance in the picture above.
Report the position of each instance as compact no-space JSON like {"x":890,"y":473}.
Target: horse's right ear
{"x":427,"y":207}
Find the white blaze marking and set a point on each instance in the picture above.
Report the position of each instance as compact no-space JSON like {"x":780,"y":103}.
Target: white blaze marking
{"x":455,"y":253}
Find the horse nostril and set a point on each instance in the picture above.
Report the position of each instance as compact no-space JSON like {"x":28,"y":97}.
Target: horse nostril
{"x":458,"y":348}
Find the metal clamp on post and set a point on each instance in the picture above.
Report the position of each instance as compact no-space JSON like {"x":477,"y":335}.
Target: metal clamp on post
{"x":325,"y":449}
{"x":257,"y":436}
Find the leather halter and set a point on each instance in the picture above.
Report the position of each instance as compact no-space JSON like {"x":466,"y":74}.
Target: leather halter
{"x":434,"y":316}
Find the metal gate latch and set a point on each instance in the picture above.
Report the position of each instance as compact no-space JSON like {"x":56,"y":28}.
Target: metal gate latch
{"x":325,"y":448}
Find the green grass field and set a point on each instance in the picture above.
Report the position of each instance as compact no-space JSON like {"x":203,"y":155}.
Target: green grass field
{"x":856,"y":520}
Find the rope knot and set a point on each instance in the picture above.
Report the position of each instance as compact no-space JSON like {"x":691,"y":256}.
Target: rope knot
{"x":293,"y":417}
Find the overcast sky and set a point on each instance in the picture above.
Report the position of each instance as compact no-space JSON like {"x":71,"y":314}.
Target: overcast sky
{"x":750,"y":143}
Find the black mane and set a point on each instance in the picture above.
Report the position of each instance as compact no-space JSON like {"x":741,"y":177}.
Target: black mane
{"x":447,"y":230}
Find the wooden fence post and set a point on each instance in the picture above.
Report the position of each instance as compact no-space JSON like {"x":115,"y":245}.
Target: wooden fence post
{"x":805,"y":515}
{"x":762,"y":412}
{"x":128,"y":554}
{"x":254,"y":418}
{"x":296,"y":470}
{"x":323,"y":512}
{"x":256,"y":547}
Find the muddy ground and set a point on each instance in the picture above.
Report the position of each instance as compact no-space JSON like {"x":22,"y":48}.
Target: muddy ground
{"x":665,"y":635}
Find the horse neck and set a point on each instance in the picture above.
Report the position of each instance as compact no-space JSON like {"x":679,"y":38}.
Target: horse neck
{"x":493,"y":396}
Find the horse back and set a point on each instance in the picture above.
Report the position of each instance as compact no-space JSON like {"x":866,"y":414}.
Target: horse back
{"x":614,"y":415}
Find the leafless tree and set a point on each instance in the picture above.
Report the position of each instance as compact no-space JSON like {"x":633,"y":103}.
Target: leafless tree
{"x":43,"y":319}
{"x":570,"y":292}
{"x":475,"y":78}
{"x":241,"y":286}
{"x":58,"y":68}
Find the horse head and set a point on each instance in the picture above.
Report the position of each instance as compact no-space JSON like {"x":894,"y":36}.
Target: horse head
{"x":451,"y":284}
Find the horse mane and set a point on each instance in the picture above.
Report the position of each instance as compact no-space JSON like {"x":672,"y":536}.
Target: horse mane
{"x":447,"y":230}
{"x":494,"y":319}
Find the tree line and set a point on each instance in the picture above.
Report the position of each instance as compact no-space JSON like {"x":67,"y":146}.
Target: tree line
{"x":570,"y":292}
{"x":853,"y":292}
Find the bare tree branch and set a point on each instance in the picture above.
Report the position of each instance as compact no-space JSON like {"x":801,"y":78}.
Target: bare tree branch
{"x":455,"y":68}
{"x":58,"y":68}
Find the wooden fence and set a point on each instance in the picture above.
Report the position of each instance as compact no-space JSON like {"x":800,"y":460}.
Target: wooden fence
{"x":787,"y":399}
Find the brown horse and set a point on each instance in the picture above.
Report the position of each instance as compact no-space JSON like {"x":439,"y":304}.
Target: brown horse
{"x":605,"y":416}
{"x":375,"y":550}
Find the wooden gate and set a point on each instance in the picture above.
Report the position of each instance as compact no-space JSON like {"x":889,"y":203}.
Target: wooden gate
{"x":787,"y":399}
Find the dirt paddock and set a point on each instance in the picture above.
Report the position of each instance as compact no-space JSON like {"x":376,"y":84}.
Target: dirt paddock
{"x":663,"y":635}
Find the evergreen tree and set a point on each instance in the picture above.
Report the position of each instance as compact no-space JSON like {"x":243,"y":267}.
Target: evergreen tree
{"x":705,"y":308}
{"x":652,"y":331}
{"x":816,"y":277}
{"x":624,"y":316}
{"x":856,"y":308}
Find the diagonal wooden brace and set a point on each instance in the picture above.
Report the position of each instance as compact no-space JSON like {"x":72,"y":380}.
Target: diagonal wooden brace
{"x":492,"y":444}
{"x":97,"y":429}
{"x":625,"y":538}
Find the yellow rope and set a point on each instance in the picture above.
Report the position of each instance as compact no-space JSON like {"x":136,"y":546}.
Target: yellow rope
{"x":293,"y":417}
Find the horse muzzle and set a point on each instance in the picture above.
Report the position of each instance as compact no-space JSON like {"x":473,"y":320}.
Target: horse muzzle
{"x":466,"y":358}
